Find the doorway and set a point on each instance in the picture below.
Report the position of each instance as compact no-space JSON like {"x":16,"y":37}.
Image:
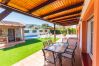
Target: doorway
{"x":11,"y":35}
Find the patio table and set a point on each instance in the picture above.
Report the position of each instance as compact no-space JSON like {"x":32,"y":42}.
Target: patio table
{"x":58,"y":48}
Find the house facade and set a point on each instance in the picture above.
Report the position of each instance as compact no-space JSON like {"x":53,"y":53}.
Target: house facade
{"x":11,"y":33}
{"x":34,"y":31}
{"x":88,"y":32}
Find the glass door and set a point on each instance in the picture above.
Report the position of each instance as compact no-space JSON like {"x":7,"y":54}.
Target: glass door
{"x":11,"y":35}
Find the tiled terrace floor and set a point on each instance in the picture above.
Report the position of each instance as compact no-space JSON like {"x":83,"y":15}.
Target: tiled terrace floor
{"x":37,"y":59}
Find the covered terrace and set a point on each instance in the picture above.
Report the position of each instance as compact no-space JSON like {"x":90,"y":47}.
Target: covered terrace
{"x":65,"y":13}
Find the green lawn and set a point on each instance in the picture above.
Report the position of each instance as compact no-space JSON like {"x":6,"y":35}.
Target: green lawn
{"x":14,"y":54}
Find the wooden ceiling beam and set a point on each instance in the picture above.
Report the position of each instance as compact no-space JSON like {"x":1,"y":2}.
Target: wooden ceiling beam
{"x":40,"y":6}
{"x":68,"y":21}
{"x":14,"y":9}
{"x":5,"y":13}
{"x":63,"y":24}
{"x":70,"y":18}
{"x":67,"y":18}
{"x":72,"y":21}
{"x":70,"y":7}
{"x":66,"y":14}
{"x":5,"y":1}
{"x":19,"y":11}
{"x":67,"y":24}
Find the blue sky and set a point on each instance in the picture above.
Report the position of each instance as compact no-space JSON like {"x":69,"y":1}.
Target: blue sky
{"x":24,"y":19}
{"x":17,"y":17}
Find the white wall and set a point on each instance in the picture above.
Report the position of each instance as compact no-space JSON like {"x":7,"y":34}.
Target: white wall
{"x":37,"y":33}
{"x":43,"y":31}
{"x":30,"y":32}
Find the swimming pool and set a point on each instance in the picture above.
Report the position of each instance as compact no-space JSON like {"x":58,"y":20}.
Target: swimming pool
{"x":31,"y":37}
{"x":36,"y":36}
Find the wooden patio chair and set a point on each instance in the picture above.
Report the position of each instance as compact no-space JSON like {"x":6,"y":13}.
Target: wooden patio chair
{"x":70,"y":54}
{"x":64,"y":40}
{"x":49,"y":57}
{"x":71,"y":43}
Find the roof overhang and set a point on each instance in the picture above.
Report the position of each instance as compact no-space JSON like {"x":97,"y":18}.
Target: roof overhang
{"x":63,"y":12}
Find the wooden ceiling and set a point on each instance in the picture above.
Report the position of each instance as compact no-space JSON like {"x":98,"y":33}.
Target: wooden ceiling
{"x":63,"y":12}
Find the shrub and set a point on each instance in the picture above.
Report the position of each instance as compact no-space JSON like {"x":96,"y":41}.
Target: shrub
{"x":57,"y":31}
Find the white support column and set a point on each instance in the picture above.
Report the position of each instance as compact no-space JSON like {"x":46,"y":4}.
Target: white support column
{"x":22,"y":33}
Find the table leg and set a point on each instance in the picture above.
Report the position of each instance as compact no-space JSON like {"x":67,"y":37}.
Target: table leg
{"x":60,"y":60}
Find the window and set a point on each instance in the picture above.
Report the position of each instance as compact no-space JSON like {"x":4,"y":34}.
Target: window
{"x":34,"y":31}
{"x":26,"y":31}
{"x":0,"y":32}
{"x":41,"y":30}
{"x":90,"y":37}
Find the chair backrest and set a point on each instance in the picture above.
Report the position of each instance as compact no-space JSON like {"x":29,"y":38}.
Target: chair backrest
{"x":45,"y":44}
{"x":71,"y":41}
{"x":75,"y":46}
{"x":64,"y":40}
{"x":71,"y":47}
{"x":49,"y":56}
